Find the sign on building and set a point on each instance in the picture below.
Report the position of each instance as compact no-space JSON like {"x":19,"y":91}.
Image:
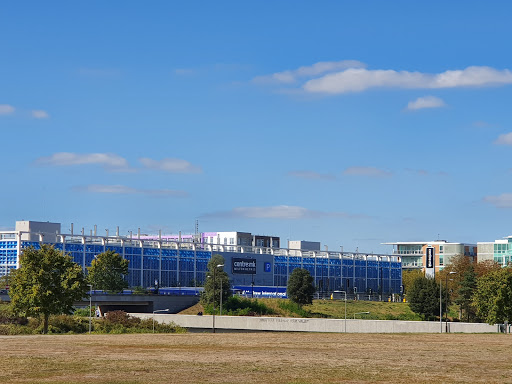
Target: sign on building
{"x":430,"y":262}
{"x":243,"y":266}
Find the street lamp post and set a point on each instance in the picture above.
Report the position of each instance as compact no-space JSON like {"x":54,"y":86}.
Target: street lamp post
{"x":360,"y":313}
{"x":220,"y":309}
{"x":157,"y":311}
{"x":345,"y":292}
{"x":446,"y":295}
{"x":90,"y":308}
{"x":214,"y":281}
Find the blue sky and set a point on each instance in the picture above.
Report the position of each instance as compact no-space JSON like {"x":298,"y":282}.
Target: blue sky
{"x":348,"y":123}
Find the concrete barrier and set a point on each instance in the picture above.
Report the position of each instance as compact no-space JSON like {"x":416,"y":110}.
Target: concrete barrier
{"x":285,"y":324}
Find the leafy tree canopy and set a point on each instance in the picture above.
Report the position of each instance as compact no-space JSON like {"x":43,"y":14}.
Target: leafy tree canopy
{"x":423,"y":297}
{"x":300,"y":287}
{"x":47,"y":283}
{"x":107,"y":272}
{"x":216,"y":277}
{"x":408,"y":278}
{"x":493,"y":296}
{"x":467,"y":287}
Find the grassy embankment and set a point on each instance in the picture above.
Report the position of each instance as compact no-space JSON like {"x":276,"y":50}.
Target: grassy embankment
{"x":331,"y":309}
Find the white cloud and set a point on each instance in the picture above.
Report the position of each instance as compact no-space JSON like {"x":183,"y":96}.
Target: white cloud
{"x":281,"y":212}
{"x":125,"y":190}
{"x":505,"y":139}
{"x":311,"y":175}
{"x":291,"y":76}
{"x":108,"y":160}
{"x":360,"y":79}
{"x":426,"y":102}
{"x":501,"y":201}
{"x":40,"y":114}
{"x":6,"y":109}
{"x":366,"y":171}
{"x":170,"y":165}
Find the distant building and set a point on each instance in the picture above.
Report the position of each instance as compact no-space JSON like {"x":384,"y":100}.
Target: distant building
{"x":498,"y":250}
{"x":250,"y":260}
{"x":302,"y":244}
{"x":431,"y":256}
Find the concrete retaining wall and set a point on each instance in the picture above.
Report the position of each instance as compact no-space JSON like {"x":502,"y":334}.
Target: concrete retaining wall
{"x":317,"y":325}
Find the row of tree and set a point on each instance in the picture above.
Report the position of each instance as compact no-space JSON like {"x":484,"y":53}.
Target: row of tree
{"x":48,"y":282}
{"x":482,"y":291}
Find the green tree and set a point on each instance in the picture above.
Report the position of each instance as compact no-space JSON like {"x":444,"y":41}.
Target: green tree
{"x":423,"y":297}
{"x":48,"y":282}
{"x":5,"y":280}
{"x":466,"y":290}
{"x":107,"y":272}
{"x":300,"y":287}
{"x":408,"y":278}
{"x":493,"y":296}
{"x":215,"y":278}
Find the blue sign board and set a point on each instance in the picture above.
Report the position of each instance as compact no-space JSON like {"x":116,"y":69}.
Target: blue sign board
{"x":268,"y":267}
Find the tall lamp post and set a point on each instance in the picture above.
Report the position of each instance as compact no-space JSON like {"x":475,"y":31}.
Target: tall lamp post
{"x":90,"y":308}
{"x":214,"y":281}
{"x":345,"y":292}
{"x":446,"y":307}
{"x":441,"y":302}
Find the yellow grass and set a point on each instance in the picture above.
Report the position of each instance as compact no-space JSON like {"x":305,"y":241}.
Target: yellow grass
{"x":256,"y":358}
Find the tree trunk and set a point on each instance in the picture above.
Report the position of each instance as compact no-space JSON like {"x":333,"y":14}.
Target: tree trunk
{"x":45,"y":323}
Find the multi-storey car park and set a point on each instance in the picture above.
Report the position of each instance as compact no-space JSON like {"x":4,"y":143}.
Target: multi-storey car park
{"x":181,"y":261}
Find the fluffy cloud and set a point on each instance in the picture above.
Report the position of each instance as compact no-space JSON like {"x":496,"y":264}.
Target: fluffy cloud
{"x":505,"y":139}
{"x":108,"y":160}
{"x":124,"y":190}
{"x":366,"y":171}
{"x":6,"y":109}
{"x":311,"y":175}
{"x":40,"y":114}
{"x":282,"y":212}
{"x":361,"y":79}
{"x":501,"y":201}
{"x":170,"y":165}
{"x":291,"y":76}
{"x":425,"y":102}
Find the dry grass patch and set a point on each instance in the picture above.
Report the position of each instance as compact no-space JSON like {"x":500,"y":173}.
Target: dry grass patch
{"x":256,"y":358}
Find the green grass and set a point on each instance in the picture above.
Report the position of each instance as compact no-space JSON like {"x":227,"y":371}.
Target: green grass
{"x":335,"y":309}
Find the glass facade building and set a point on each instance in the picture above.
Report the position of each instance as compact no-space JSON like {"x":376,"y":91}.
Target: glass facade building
{"x":184,"y":264}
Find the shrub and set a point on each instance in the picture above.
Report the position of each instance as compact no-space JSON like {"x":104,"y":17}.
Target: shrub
{"x":84,"y":312}
{"x":67,"y":324}
{"x":236,"y":305}
{"x":121,"y":318}
{"x":290,"y":306}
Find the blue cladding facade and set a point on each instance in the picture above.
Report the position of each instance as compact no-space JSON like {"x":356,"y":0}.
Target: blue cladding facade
{"x":179,"y":265}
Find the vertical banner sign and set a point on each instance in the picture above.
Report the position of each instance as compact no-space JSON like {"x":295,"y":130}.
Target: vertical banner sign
{"x":430,"y":264}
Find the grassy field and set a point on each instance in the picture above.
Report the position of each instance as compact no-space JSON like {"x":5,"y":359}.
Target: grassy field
{"x":336,"y":309}
{"x":294,"y":358}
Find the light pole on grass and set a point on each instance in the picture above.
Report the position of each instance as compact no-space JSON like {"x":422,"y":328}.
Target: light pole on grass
{"x":213,"y":318}
{"x":446,"y":297}
{"x":158,"y":311}
{"x":90,"y":308}
{"x":360,"y":313}
{"x":345,"y":292}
